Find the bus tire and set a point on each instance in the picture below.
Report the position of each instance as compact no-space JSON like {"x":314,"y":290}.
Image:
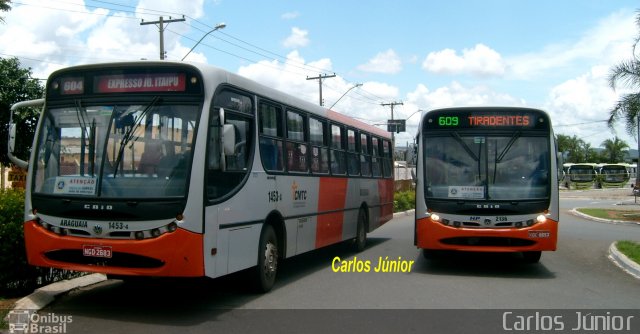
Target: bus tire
{"x":265,"y":272}
{"x":360,"y":241}
{"x":532,"y":256}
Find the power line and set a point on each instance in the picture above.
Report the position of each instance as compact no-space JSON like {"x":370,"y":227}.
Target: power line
{"x":583,"y":123}
{"x":269,"y":55}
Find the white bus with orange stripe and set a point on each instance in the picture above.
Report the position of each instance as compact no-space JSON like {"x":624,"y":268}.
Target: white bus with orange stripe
{"x":487,"y":182}
{"x":175,"y":169}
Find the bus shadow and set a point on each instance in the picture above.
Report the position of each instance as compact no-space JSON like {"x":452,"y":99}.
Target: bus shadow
{"x":187,"y":302}
{"x":499,"y":265}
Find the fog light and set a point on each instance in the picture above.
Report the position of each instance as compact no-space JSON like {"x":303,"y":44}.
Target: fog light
{"x":172,"y":227}
{"x":530,"y":222}
{"x":139,"y":235}
{"x":541,"y":219}
{"x":518,"y":224}
{"x":155,"y":232}
{"x":456,"y":224}
{"x":446,"y":221}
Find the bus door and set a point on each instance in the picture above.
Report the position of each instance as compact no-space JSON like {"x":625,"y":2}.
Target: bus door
{"x":228,"y":165}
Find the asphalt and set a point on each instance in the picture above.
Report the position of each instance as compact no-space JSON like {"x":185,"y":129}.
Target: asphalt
{"x":45,"y":295}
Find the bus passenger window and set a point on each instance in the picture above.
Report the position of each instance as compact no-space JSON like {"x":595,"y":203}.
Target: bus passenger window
{"x":338,"y":163}
{"x":297,"y":157}
{"x":365,"y":159}
{"x":375,"y":160}
{"x":271,"y":154}
{"x":319,"y":160}
{"x":352,"y":157}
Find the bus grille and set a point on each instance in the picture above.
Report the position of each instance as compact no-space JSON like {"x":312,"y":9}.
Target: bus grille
{"x":488,"y":241}
{"x":118,"y":259}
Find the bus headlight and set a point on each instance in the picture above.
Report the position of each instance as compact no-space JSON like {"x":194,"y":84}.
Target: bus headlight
{"x":541,"y":219}
{"x":435,"y":217}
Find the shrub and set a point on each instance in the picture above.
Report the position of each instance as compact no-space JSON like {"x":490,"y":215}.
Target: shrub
{"x":16,"y":276}
{"x":404,"y":200}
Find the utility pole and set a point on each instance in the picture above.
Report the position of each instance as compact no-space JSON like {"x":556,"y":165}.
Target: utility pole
{"x":393,"y":136}
{"x":161,"y":24}
{"x":319,"y":78}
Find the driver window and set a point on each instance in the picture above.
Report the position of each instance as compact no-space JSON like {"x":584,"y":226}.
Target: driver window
{"x":225,"y":175}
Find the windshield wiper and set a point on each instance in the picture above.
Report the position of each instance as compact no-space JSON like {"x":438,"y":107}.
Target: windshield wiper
{"x":513,"y":139}
{"x":81,"y":114}
{"x":464,"y":145}
{"x":126,"y":138}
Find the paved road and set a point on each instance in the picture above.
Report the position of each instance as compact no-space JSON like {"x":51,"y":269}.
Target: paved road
{"x":577,"y":276}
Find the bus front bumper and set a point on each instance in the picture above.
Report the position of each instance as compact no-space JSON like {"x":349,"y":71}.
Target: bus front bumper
{"x":176,"y":254}
{"x":434,"y":235}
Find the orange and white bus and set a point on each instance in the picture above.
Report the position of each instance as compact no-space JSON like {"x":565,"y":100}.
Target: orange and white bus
{"x":487,"y":182}
{"x":175,"y":169}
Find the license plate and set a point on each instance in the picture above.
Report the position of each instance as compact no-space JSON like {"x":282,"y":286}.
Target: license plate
{"x":539,"y":234}
{"x":96,"y":251}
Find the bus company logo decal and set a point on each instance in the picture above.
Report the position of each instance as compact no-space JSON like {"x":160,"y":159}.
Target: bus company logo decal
{"x":97,"y":229}
{"x":99,"y":207}
{"x":299,"y":196}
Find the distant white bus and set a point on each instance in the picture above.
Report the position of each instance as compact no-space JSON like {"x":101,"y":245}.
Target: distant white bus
{"x":579,"y":175}
{"x":612,"y":175}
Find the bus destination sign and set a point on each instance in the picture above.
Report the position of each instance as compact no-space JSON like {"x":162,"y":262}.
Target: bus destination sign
{"x":135,"y":83}
{"x":481,"y":120}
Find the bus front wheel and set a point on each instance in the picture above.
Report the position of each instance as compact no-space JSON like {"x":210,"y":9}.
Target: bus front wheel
{"x":265,"y":275}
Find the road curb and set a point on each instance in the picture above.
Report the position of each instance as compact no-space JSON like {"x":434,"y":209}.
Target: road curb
{"x":623,"y":261}
{"x":43,"y":296}
{"x":404,"y":213}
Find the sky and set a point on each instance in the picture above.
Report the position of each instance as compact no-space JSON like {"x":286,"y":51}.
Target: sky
{"x":547,"y":54}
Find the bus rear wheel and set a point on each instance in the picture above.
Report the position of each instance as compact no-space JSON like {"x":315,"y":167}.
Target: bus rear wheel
{"x":265,"y":272}
{"x":532,"y":256}
{"x":360,"y":241}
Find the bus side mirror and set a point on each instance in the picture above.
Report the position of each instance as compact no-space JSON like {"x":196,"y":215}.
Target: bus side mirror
{"x":11,"y":143}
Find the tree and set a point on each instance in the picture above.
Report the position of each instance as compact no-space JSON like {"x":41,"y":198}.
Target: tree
{"x":5,"y":7}
{"x":614,"y":150}
{"x":590,"y":153}
{"x":627,"y":107}
{"x":17,"y":85}
{"x":573,"y":148}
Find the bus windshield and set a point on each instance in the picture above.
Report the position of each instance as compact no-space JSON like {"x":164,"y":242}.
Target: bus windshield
{"x":134,"y":150}
{"x":462,"y":166}
{"x":582,"y":173}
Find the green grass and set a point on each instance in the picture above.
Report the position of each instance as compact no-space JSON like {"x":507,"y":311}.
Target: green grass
{"x":630,"y":248}
{"x":623,"y":215}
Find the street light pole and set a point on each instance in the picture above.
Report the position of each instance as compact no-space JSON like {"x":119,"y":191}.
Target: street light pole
{"x":218,"y":26}
{"x":345,"y":93}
